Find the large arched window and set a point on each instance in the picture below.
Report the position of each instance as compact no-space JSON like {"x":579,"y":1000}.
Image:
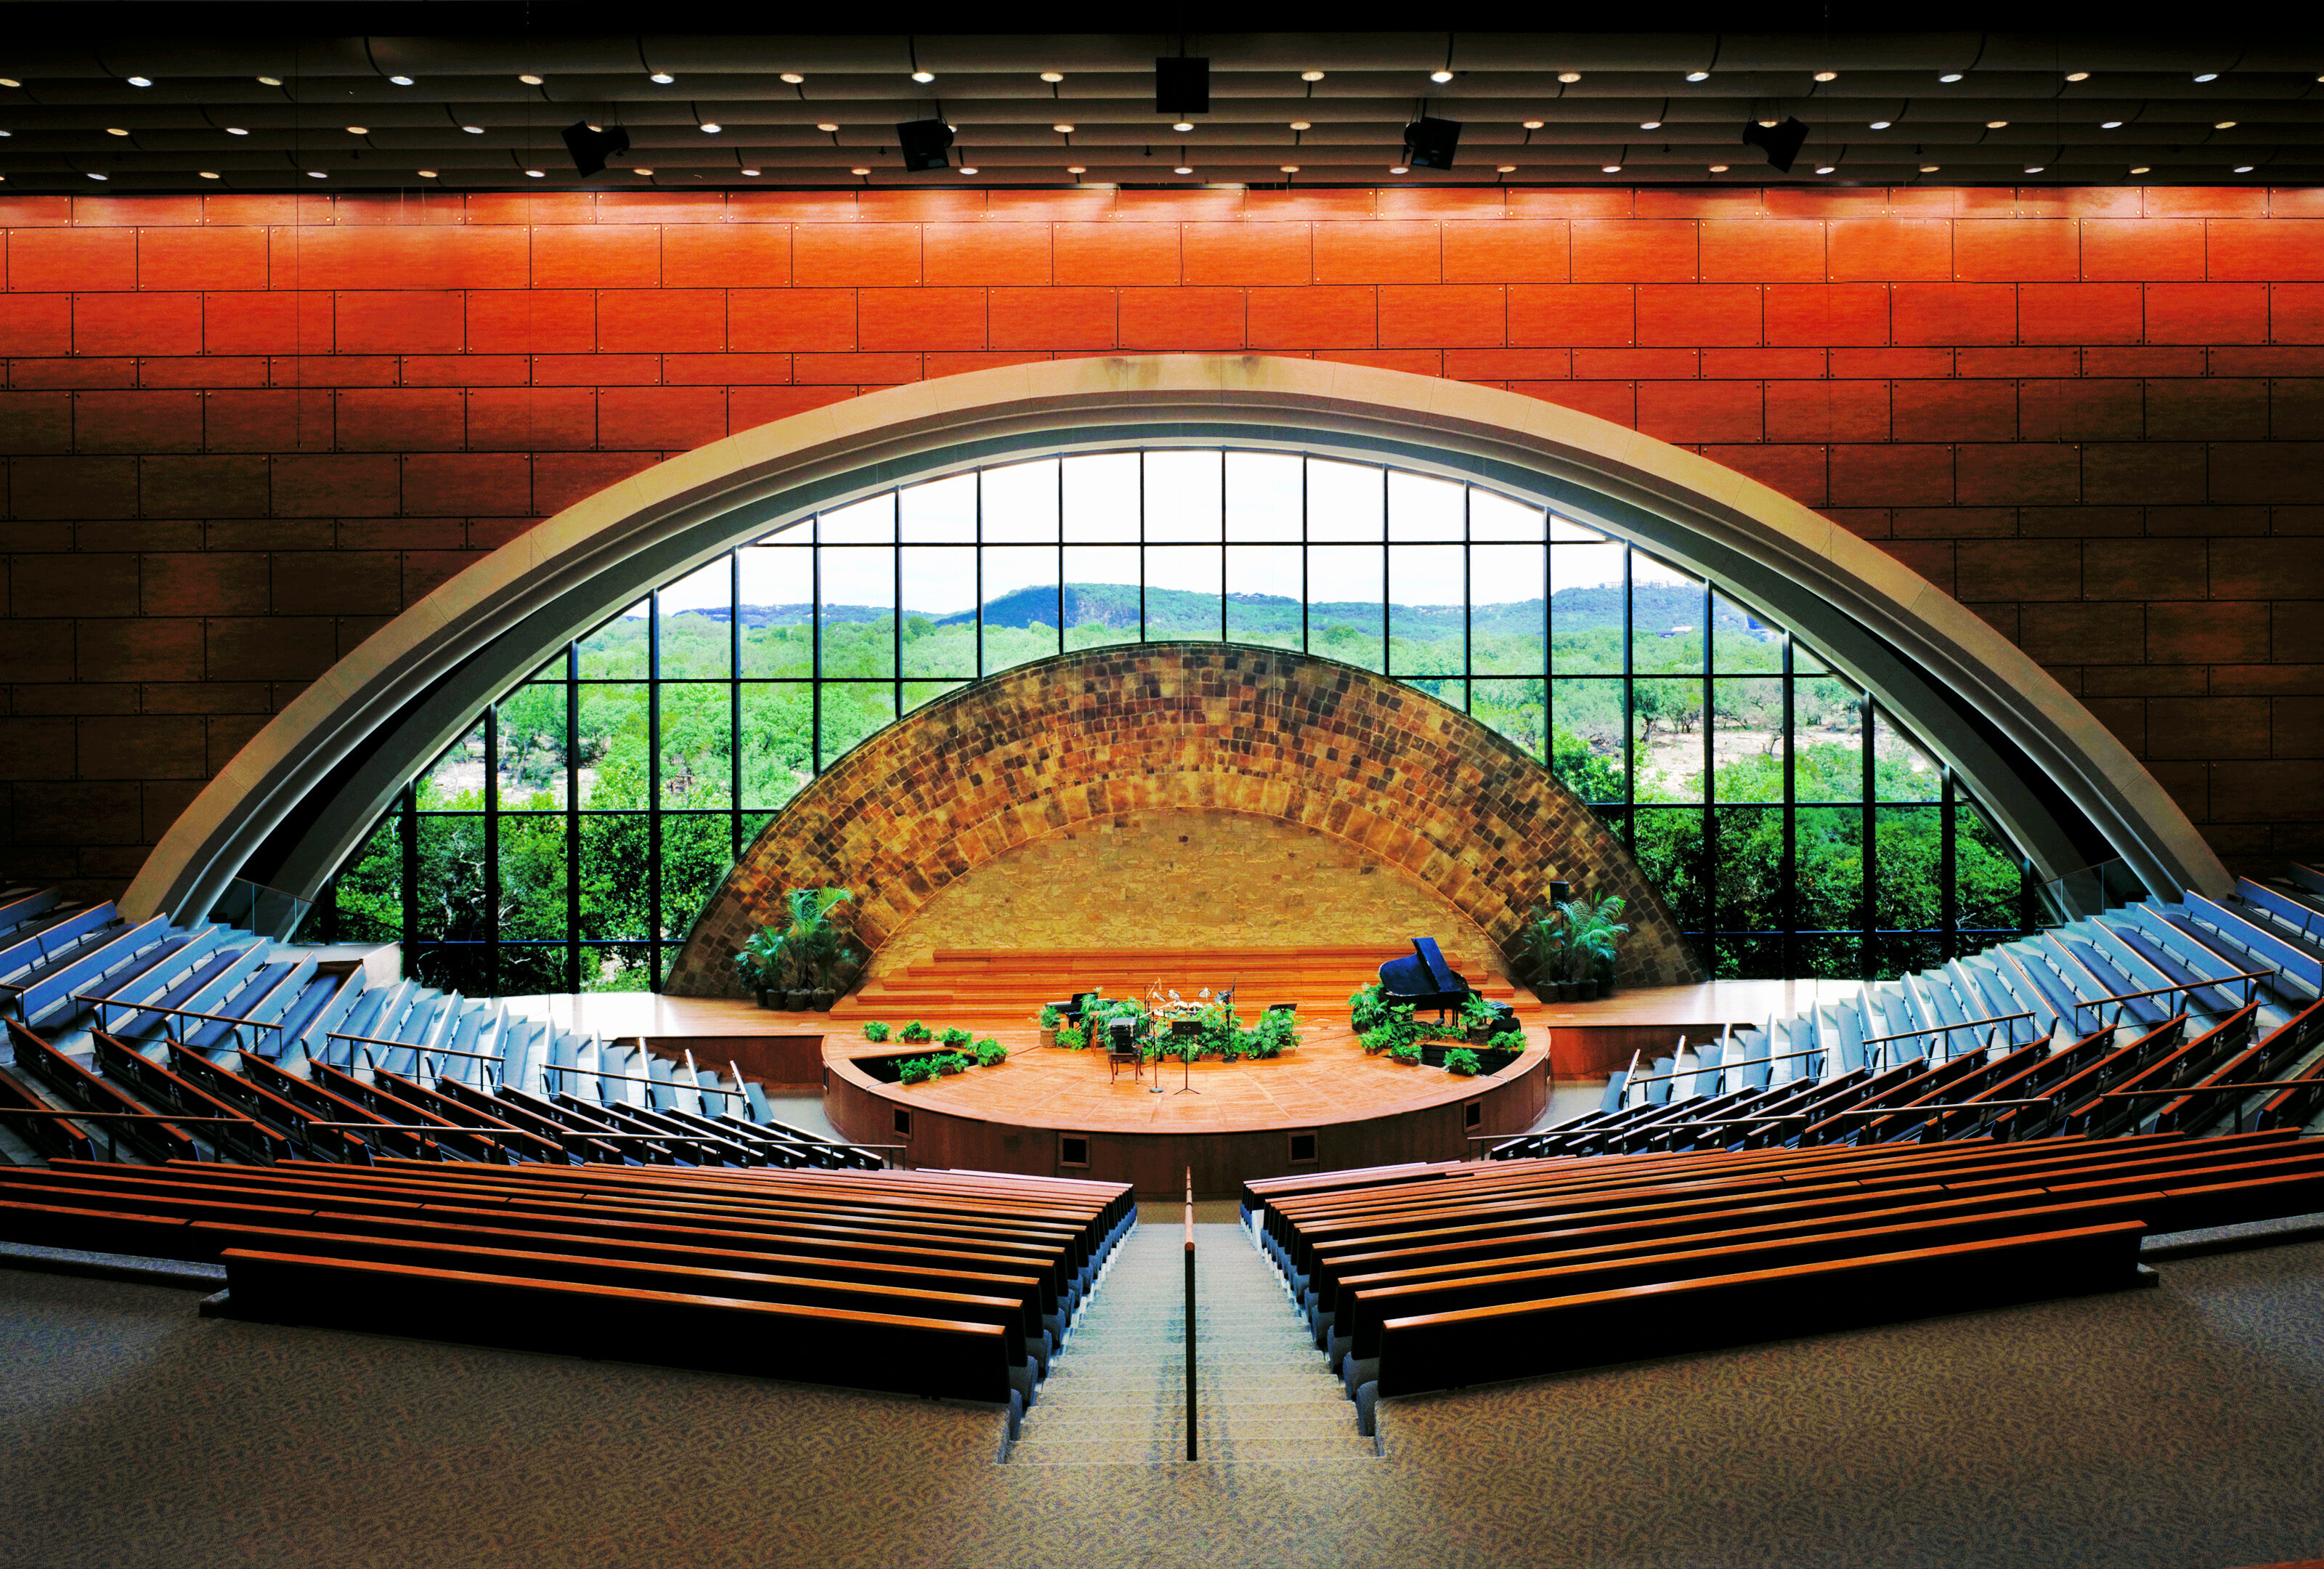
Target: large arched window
{"x":568,"y":839}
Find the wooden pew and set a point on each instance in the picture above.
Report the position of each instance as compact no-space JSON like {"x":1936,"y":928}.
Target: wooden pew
{"x":54,"y":1135}
{"x":255,"y":1100}
{"x":243,"y":1138}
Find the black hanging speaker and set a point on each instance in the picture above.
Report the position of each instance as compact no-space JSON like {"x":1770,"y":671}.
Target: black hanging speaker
{"x":926,"y":145}
{"x":1560,"y":893}
{"x":1428,"y":142}
{"x":591,"y":147}
{"x":1182,"y":85}
{"x":1780,"y":143}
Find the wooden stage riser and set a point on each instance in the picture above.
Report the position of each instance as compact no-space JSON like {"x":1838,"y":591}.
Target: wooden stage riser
{"x":1157,"y":1164}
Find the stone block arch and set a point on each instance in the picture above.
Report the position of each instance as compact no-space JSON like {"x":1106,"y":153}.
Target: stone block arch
{"x":1186,"y":726}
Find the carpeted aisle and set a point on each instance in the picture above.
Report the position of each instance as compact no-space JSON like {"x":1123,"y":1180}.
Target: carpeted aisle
{"x":2177,"y":1428}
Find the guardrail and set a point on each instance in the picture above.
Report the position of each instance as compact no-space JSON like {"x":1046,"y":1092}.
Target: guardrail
{"x":1191,"y":1409}
{"x":105,"y":1022}
{"x":2250,"y":978}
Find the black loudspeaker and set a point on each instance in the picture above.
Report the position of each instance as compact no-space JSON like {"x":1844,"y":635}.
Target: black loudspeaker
{"x":1560,"y":893}
{"x":1428,"y":142}
{"x":590,"y":149}
{"x":1780,"y":143}
{"x":1181,"y":85}
{"x":926,"y":145}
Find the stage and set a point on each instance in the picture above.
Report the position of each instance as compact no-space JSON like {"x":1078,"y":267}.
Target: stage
{"x":1049,"y":1112}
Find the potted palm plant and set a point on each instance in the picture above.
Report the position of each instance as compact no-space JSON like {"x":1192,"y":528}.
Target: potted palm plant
{"x":1592,"y":930}
{"x":1542,"y":948}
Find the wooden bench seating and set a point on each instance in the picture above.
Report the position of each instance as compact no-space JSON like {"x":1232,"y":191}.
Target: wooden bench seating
{"x":54,"y":1134}
{"x":278,"y":1112}
{"x":2268,"y":1057}
{"x":243,"y":1138}
{"x":66,"y":1079}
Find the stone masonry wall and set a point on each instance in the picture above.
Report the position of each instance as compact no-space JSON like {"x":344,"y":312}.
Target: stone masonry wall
{"x":1103,"y":734}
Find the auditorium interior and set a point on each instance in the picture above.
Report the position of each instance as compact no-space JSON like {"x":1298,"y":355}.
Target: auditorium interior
{"x":976,"y":794}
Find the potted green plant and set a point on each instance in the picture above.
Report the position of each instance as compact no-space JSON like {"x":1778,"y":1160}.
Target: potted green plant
{"x":991,"y":1053}
{"x":805,"y":957}
{"x":1072,"y":1037}
{"x":764,"y":965}
{"x":1461,"y":1061}
{"x":1051,"y":1018}
{"x":1367,"y":1007}
{"x":950,"y":1062}
{"x":1592,"y":931}
{"x":873,"y":1030}
{"x":1406,"y":1052}
{"x":1476,"y":1016}
{"x":916,"y":1070}
{"x":955,"y":1037}
{"x":916,"y":1032}
{"x":1542,"y":946}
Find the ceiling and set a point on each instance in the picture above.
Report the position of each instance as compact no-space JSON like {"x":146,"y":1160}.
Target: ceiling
{"x":253,"y":96}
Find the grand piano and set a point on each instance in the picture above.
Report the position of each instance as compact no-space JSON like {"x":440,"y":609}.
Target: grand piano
{"x":1423,"y":979}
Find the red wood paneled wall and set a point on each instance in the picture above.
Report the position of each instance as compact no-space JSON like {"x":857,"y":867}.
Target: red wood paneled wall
{"x":240,"y":432}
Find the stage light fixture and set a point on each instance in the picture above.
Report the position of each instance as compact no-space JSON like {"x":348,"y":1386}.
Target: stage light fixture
{"x":1533,"y":124}
{"x":1400,"y":168}
{"x":828,"y":126}
{"x":926,"y":145}
{"x":1826,"y":168}
{"x":1882,"y":124}
{"x":791,"y":79}
{"x":1698,"y":76}
{"x":209,"y":174}
{"x":1062,"y":129}
{"x":1650,"y":124}
{"x":2033,"y":167}
{"x":661,"y":79}
{"x":140,"y":81}
{"x":1429,"y":142}
{"x":528,"y":79}
{"x":1301,"y":125}
{"x":237,"y":130}
{"x":13,"y":82}
{"x":752,"y":173}
{"x":535,"y":174}
{"x":1780,"y":143}
{"x":1311,"y":76}
{"x":1289,"y":168}
{"x":95,"y":176}
{"x":591,"y":147}
{"x":1440,"y":77}
{"x":2141,"y":169}
{"x":2223,"y":125}
{"x":711,"y":127}
{"x":859,"y":171}
{"x":358,"y":129}
{"x":1718,"y":169}
{"x":269,"y":82}
{"x":117,"y":131}
{"x":1951,"y":76}
{"x":2078,"y":76}
{"x":1826,"y":76}
{"x":1183,"y":169}
{"x":1569,"y":77}
{"x":924,"y":76}
{"x":473,"y":130}
{"x":1928,"y":168}
{"x":1182,"y":84}
{"x":1076,"y":168}
{"x":1996,"y":125}
{"x":401,"y":81}
{"x":1609,"y":169}
{"x":2109,"y":125}
{"x":2243,"y":168}
{"x":311,"y":174}
{"x":1052,"y":76}
{"x":2207,"y":76}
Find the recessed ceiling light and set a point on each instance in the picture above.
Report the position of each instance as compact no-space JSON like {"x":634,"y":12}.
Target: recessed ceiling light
{"x":2109,"y":125}
{"x":1763,"y":124}
{"x":534,"y":174}
{"x":1882,"y":124}
{"x":1301,"y":125}
{"x":1826,"y":168}
{"x":662,"y":76}
{"x":1440,"y":76}
{"x":209,"y":174}
{"x":1718,"y":169}
{"x":400,"y":81}
{"x":826,"y":125}
{"x":1928,"y":169}
{"x":269,"y":82}
{"x":2033,"y":169}
{"x":1826,"y":76}
{"x":2242,"y":169}
{"x":2078,"y":76}
{"x":100,"y":177}
{"x":1533,"y":124}
{"x":1400,"y":168}
{"x":235,"y":131}
{"x":140,"y":81}
{"x":426,"y":173}
{"x":711,"y":127}
{"x":1181,"y":169}
{"x":1290,"y":168}
{"x":859,"y":171}
{"x":1650,"y":124}
{"x":473,"y":130}
{"x":923,"y":76}
{"x":1184,"y":125}
{"x":1052,"y":76}
{"x":1951,"y":76}
{"x":358,"y":129}
{"x":968,"y":169}
{"x":2207,"y":76}
{"x":1569,"y":77}
{"x":1610,"y":169}
{"x":1076,"y":168}
{"x":13,"y":82}
{"x":2223,"y":125}
{"x":1062,"y":129}
{"x":1311,"y":76}
{"x":647,"y":172}
{"x":528,"y":79}
{"x":1698,"y":76}
{"x":2141,"y":169}
{"x":1996,"y":124}
{"x":115,"y":130}
{"x":317,"y":174}
{"x":7,"y":132}
{"x":792,"y":77}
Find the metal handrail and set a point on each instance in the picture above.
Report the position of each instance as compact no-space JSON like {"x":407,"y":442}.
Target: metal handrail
{"x":112,"y":1149}
{"x":1936,"y":1106}
{"x":1722,"y":1065}
{"x":635,"y":1079}
{"x":2250,"y":978}
{"x":2312,"y":1081}
{"x":1940,"y":1028}
{"x":105,"y":1022}
{"x":331,"y":1035}
{"x":1190,"y":1314}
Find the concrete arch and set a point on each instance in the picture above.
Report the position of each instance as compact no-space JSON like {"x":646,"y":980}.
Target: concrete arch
{"x":288,"y":808}
{"x":1421,"y":785}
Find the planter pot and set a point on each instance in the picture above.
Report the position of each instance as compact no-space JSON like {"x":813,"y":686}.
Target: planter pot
{"x":1567,"y":991}
{"x":1049,"y":1035}
{"x":797,"y":1001}
{"x":766,"y":998}
{"x":821,"y":998}
{"x":1478,"y":1034}
{"x":1589,"y":989}
{"x":1231,"y":1056}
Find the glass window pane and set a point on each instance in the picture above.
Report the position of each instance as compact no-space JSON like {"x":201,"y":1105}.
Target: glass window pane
{"x":777,"y":609}
{"x":1422,"y":508}
{"x":1263,"y":595}
{"x":1020,"y":503}
{"x":1827,"y":740}
{"x":1428,"y":614}
{"x":1666,"y":739}
{"x":1586,"y":745}
{"x":870,"y":522}
{"x":1668,"y":617}
{"x":941,"y":511}
{"x":697,"y":621}
{"x":616,"y":651}
{"x":528,"y":969}
{"x":1985,"y":878}
{"x":532,"y":879}
{"x":1908,"y":869}
{"x":1102,"y":589}
{"x":452,"y":904}
{"x":532,"y":766}
{"x":939,"y":612}
{"x":611,"y":747}
{"x":1830,"y":892}
{"x":1344,"y":501}
{"x":853,"y":710}
{"x":1183,"y":584}
{"x":858,"y":610}
{"x":917,"y":693}
{"x":1346,"y":609}
{"x":449,"y":966}
{"x":1901,"y":770}
{"x":1749,"y":879}
{"x":1562,"y":529}
{"x":454,"y":782}
{"x":1186,"y":497}
{"x":1265,"y":499}
{"x":614,"y":851}
{"x":1497,"y":517}
{"x":1743,"y":957}
{"x":1101,"y":499}
{"x":1021,"y":613}
{"x":697,"y":757}
{"x":370,"y":887}
{"x":615,"y":967}
{"x":1741,"y":644}
{"x":1806,"y":661}
{"x":694,"y":859}
{"x":1669,"y":849}
{"x":777,"y":744}
{"x":1747,"y":738}
{"x":1585,"y":609}
{"x":1509,"y":618}
{"x":1516,"y":709}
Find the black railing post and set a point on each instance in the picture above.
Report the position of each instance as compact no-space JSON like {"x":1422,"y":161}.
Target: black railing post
{"x":1191,"y":1411}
